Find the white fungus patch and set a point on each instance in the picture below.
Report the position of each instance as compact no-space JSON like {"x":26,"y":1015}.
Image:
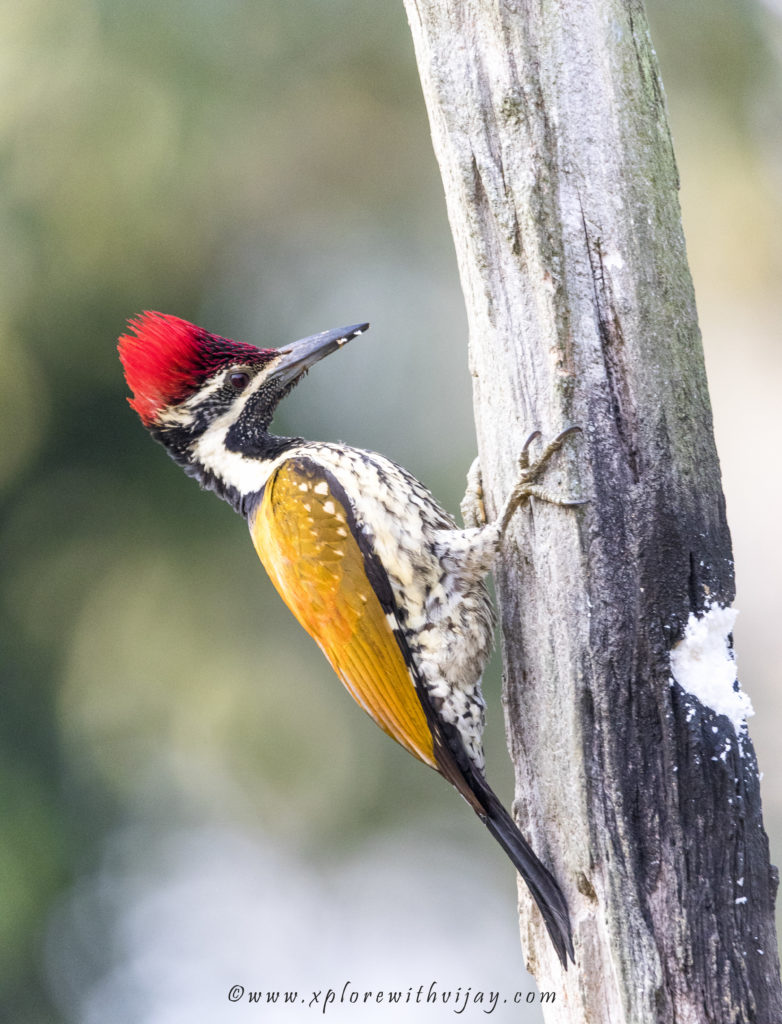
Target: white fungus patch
{"x":702,"y":663}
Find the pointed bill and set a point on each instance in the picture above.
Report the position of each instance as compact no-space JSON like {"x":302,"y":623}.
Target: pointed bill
{"x":299,"y":356}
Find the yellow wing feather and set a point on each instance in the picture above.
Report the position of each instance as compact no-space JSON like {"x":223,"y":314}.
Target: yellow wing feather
{"x":302,"y":534}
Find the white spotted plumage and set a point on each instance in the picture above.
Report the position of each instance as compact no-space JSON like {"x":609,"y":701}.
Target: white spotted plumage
{"x":436,"y":572}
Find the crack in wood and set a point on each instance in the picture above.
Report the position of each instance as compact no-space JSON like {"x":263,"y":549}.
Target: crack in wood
{"x":612,"y":347}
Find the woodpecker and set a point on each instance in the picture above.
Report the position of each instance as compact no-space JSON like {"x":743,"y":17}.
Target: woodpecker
{"x":383,"y":579}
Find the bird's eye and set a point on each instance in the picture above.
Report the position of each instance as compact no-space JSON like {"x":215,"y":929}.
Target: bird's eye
{"x":239,"y":380}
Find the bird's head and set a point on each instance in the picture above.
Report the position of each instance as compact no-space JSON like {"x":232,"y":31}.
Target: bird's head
{"x":210,"y":400}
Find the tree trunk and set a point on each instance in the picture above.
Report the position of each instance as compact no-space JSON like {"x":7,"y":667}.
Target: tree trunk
{"x":550,"y":128}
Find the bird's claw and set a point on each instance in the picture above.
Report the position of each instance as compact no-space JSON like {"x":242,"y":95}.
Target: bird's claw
{"x":527,"y":486}
{"x":551,"y":448}
{"x":524,"y":457}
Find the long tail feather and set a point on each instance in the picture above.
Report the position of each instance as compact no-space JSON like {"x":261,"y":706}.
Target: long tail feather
{"x":541,"y":883}
{"x":454,"y":765}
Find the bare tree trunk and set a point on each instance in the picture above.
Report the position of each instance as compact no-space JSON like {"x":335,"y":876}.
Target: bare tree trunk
{"x":550,"y":128}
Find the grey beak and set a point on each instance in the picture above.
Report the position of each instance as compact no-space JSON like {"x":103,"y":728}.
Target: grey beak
{"x":298,"y":357}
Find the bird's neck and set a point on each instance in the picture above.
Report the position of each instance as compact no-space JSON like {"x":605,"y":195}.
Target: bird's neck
{"x":235,"y":467}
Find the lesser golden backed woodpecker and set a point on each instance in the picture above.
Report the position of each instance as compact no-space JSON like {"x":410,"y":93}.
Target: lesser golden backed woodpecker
{"x":374,"y":570}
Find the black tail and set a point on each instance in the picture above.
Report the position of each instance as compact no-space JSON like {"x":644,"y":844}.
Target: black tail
{"x":454,"y":764}
{"x":540,"y":882}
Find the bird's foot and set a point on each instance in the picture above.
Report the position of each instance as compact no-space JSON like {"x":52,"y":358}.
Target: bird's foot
{"x":527,"y":486}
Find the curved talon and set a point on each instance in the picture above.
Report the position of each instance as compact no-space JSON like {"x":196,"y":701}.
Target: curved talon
{"x":532,"y":437}
{"x":526,"y":487}
{"x":556,"y":444}
{"x":566,"y":433}
{"x":533,"y":472}
{"x":524,"y":457}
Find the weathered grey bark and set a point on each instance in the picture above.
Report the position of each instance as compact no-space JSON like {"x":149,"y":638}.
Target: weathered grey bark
{"x":550,"y":128}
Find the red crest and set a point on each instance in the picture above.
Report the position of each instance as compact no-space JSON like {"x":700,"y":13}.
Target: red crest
{"x":166,"y":359}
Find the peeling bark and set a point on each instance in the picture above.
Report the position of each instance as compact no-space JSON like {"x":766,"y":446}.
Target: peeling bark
{"x":549,"y":124}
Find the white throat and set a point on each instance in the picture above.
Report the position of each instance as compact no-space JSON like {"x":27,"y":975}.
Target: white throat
{"x":236,"y":470}
{"x":241,"y":472}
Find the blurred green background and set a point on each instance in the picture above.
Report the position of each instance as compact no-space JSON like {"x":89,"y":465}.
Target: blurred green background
{"x":188,"y":798}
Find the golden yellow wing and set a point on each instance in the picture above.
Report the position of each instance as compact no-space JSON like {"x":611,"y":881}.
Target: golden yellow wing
{"x":306,"y":537}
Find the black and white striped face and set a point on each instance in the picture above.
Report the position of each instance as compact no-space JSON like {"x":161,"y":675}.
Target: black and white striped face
{"x":219,"y":433}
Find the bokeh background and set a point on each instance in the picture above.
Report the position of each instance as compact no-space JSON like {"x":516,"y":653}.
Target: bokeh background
{"x":188,"y":800}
